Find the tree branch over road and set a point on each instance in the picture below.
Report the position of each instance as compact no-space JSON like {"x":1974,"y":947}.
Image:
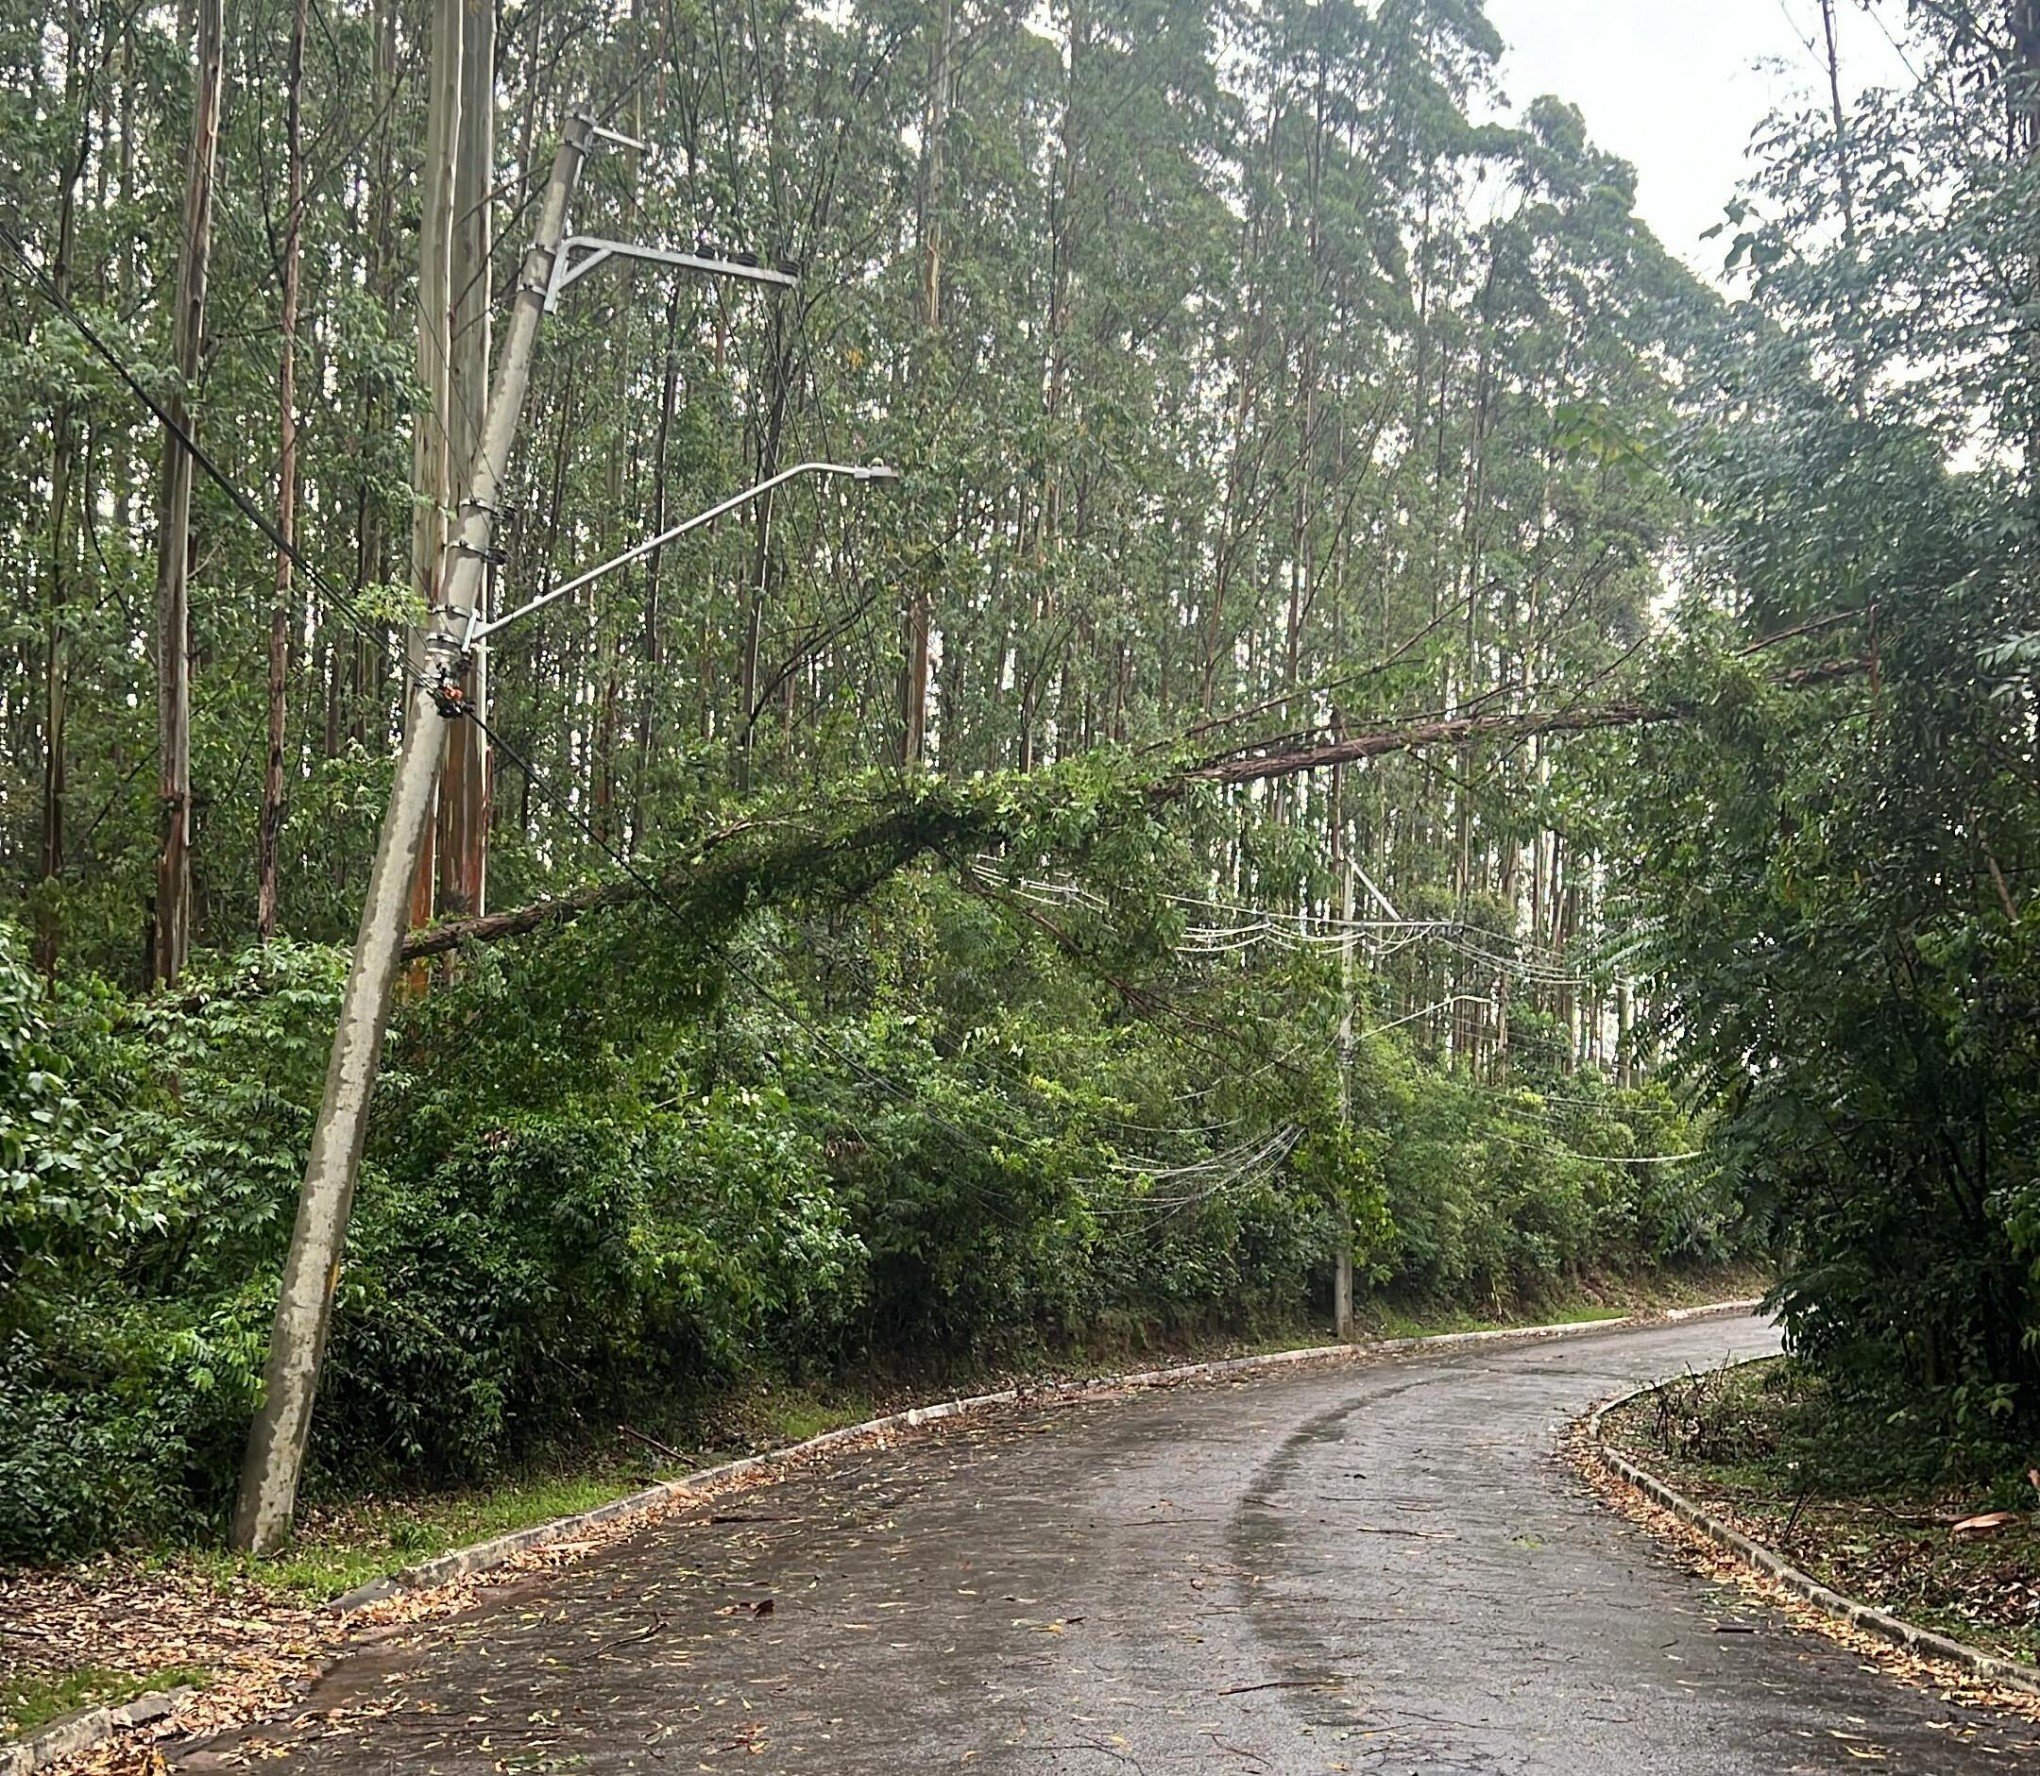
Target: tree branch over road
{"x":897,"y":834}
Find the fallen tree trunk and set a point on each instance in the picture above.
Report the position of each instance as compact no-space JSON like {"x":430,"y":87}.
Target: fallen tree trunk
{"x":450,"y":934}
{"x":1317,"y":755}
{"x":1290,"y":759}
{"x":898,"y":835}
{"x":750,"y":864}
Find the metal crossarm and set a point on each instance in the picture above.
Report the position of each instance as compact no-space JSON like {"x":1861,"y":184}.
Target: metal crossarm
{"x":580,"y":254}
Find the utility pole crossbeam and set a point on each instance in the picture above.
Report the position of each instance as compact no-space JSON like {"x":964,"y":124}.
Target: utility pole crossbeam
{"x":265,"y":1507}
{"x":595,"y":250}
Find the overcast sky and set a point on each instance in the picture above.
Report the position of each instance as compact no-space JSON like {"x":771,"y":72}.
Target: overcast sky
{"x":1677,"y":86}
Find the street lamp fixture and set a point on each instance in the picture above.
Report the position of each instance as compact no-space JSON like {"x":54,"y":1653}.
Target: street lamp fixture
{"x":477,"y":630}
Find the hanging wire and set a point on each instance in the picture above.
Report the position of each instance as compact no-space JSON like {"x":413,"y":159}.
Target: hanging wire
{"x":1263,"y":1163}
{"x":1256,"y":926}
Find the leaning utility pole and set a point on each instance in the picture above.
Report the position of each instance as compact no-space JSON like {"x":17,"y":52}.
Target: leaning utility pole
{"x":304,"y":1310}
{"x":441,"y":661}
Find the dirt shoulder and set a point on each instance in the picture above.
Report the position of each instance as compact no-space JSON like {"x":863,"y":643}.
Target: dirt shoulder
{"x":1764,"y":1448}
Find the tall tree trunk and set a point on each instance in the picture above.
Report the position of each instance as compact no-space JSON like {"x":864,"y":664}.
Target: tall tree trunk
{"x":431,"y":459}
{"x":652,"y":658}
{"x":464,"y":785}
{"x":270,"y":833}
{"x":934,"y":132}
{"x":771,"y":436}
{"x":171,"y":944}
{"x":63,"y":469}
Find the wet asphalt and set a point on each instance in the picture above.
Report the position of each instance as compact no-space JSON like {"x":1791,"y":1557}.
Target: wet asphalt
{"x":1383,"y":1568}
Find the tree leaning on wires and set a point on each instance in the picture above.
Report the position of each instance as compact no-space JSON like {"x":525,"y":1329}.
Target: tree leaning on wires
{"x":276,"y":1445}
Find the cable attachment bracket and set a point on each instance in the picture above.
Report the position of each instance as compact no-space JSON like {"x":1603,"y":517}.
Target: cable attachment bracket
{"x":448,"y":683}
{"x":450,"y":695}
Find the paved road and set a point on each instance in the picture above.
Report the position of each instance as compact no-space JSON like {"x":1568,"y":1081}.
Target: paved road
{"x":1380,"y":1568}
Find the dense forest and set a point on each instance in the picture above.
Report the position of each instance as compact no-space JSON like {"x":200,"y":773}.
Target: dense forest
{"x":1378,"y":707}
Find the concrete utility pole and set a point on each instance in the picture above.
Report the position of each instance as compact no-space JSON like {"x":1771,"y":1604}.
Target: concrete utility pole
{"x":304,"y":1310}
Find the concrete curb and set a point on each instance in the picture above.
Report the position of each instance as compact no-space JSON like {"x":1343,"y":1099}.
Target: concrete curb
{"x":80,"y":1732}
{"x":1924,"y":1642}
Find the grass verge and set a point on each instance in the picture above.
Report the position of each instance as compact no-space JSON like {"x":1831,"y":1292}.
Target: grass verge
{"x":1768,"y":1449}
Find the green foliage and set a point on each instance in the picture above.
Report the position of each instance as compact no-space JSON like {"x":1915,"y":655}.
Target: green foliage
{"x":164,"y":1148}
{"x":1835,"y":885}
{"x":1833,"y":950}
{"x":1499,"y":1195}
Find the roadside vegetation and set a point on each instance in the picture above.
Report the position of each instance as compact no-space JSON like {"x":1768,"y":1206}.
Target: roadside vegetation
{"x":564,"y":1229}
{"x":1867,"y":1507}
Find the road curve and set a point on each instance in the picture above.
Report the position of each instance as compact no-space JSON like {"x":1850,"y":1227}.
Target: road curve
{"x":1375,"y":1567}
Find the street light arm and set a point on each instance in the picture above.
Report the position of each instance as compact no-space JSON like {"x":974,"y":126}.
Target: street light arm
{"x":582,"y":253}
{"x":480,"y":631}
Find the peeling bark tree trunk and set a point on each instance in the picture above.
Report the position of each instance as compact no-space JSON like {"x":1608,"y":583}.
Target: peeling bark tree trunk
{"x":270,"y":830}
{"x":431,"y":460}
{"x":464,"y":785}
{"x":651,"y":652}
{"x":778,"y":354}
{"x":171,"y":943}
{"x":917,"y":617}
{"x":57,"y":660}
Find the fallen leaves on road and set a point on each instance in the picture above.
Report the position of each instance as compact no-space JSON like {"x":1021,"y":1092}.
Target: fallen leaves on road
{"x":127,"y":1613}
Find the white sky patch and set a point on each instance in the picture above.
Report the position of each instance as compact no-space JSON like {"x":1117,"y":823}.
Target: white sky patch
{"x":1678,"y":87}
